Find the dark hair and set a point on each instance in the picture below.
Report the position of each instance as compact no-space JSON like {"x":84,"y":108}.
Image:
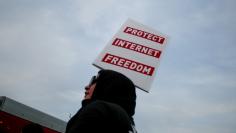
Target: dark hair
{"x":32,"y":128}
{"x":115,"y":87}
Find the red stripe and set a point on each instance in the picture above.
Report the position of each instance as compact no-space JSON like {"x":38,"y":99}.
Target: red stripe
{"x":128,"y":64}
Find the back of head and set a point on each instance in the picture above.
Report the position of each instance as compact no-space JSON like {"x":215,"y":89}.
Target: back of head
{"x":115,"y":87}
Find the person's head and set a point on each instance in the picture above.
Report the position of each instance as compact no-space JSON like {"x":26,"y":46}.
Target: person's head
{"x":112,"y":86}
{"x":32,"y":128}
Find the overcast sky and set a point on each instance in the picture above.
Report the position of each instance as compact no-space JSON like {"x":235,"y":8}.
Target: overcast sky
{"x":47,"y":49}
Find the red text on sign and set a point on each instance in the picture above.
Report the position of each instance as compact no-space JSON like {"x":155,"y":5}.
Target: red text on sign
{"x":128,"y":64}
{"x":136,"y":47}
{"x":146,"y":35}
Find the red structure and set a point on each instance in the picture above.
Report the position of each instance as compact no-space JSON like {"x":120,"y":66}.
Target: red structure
{"x":14,"y":116}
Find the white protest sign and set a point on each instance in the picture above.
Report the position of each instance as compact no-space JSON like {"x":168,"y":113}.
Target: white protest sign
{"x":134,"y":51}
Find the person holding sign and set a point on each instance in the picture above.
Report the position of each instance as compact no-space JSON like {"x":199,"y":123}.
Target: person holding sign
{"x":108,"y":105}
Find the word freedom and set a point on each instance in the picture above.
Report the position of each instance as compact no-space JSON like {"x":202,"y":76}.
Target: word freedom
{"x":128,"y":64}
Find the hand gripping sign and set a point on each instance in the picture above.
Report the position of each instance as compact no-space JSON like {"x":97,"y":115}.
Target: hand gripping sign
{"x":134,"y":51}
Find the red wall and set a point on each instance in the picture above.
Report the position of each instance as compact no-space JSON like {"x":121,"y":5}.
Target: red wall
{"x":14,"y":124}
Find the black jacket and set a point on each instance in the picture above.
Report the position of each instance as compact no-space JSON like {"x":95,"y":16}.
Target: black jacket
{"x":110,"y":109}
{"x":100,"y":117}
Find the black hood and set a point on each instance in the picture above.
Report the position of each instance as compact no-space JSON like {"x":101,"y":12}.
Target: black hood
{"x":114,"y":87}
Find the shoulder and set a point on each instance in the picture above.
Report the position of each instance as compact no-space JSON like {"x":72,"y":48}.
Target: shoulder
{"x":106,"y":110}
{"x":104,"y":106}
{"x":101,"y":116}
{"x":112,"y":114}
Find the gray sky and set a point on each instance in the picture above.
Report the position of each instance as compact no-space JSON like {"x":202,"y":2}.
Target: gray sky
{"x":47,"y":48}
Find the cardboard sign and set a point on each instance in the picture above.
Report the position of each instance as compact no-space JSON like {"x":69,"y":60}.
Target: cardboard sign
{"x":134,"y":51}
